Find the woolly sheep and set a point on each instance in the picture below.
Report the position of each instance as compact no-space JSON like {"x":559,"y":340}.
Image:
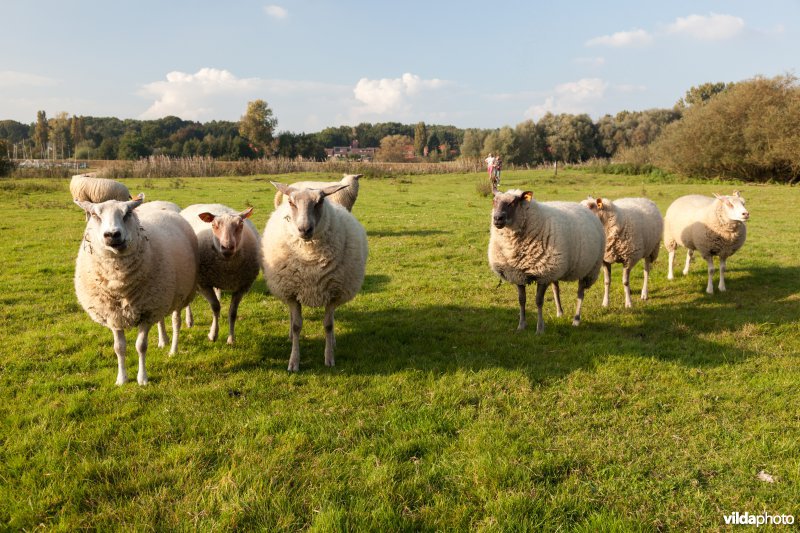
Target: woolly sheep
{"x":89,"y":188}
{"x":314,"y":253}
{"x":345,"y":197}
{"x":544,"y":242}
{"x":229,"y":255}
{"x":712,"y":226}
{"x":633,"y":228}
{"x":136,"y":264}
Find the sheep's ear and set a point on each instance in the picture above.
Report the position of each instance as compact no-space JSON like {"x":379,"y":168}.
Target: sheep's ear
{"x":599,"y":203}
{"x":281,"y":187}
{"x":357,"y":176}
{"x":86,"y":206}
{"x":527,"y":196}
{"x":246,"y":213}
{"x":330,"y":189}
{"x":206,"y":217}
{"x":136,"y":202}
{"x":737,"y":194}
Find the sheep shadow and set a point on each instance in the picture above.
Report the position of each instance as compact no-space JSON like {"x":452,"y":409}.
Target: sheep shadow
{"x":451,"y":338}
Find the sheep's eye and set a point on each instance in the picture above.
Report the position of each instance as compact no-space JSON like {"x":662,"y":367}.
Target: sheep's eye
{"x":291,"y":204}
{"x":95,"y":216}
{"x":126,"y":216}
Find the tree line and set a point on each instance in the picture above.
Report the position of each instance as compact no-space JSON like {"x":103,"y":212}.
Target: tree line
{"x":744,"y":130}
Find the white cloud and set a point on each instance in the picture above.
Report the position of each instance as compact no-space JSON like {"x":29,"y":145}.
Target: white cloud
{"x":194,"y":96}
{"x":276,"y":12}
{"x":622,"y":38}
{"x":713,"y":27}
{"x":573,"y":97}
{"x":392,"y":95}
{"x":12,"y":78}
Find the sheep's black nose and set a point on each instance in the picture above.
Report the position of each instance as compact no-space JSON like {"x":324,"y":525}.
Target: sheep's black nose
{"x":112,"y":235}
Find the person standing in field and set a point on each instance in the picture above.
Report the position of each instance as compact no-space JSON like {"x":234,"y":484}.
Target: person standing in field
{"x":498,"y":166}
{"x":489,"y":165}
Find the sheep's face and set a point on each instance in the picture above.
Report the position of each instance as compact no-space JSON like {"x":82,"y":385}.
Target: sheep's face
{"x":505,"y":206}
{"x":306,"y":207}
{"x":734,"y":207}
{"x":227,"y":231}
{"x":112,"y":225}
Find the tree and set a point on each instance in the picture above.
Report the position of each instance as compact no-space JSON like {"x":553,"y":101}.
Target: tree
{"x":132,"y":146}
{"x":472,"y":144}
{"x":702,"y":93}
{"x":6,"y":166}
{"x":395,"y":148}
{"x":60,"y":138}
{"x":257,"y":125}
{"x":420,"y":139}
{"x":41,"y":134}
{"x":433,"y":143}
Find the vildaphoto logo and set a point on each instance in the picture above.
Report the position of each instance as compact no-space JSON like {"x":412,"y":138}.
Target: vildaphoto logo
{"x":764,"y":519}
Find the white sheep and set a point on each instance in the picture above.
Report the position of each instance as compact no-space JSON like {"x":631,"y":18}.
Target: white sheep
{"x":136,"y":265}
{"x":345,"y":197}
{"x":229,"y":255}
{"x":633,"y":229}
{"x":712,"y":226}
{"x":89,"y":188}
{"x":314,"y":253}
{"x":544,"y":242}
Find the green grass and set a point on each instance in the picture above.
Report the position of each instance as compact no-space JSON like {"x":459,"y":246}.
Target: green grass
{"x":438,"y":415}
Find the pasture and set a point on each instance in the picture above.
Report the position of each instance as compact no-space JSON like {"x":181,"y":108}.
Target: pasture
{"x":438,"y":414}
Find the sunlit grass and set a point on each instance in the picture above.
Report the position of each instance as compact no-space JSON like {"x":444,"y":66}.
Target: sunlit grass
{"x":438,"y":414}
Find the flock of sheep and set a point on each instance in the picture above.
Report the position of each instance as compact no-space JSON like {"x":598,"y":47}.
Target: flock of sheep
{"x":140,"y":262}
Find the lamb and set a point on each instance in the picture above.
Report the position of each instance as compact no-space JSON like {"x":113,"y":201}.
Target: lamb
{"x":314,"y":253}
{"x":136,"y":264}
{"x":712,"y":226}
{"x":544,"y":242}
{"x":633,"y":229}
{"x":229,"y":255}
{"x":346,"y":197}
{"x":89,"y":188}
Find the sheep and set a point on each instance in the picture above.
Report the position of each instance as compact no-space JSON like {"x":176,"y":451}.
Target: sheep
{"x":346,"y":197}
{"x":314,"y":253}
{"x":633,"y":228}
{"x":89,"y":188}
{"x":544,"y":242}
{"x":136,"y":264}
{"x":712,"y":226}
{"x":229,"y":255}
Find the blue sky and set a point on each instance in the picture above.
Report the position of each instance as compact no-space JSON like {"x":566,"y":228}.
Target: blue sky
{"x":322,"y":63}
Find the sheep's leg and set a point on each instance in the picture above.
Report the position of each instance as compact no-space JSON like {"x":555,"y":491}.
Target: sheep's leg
{"x":721,"y":274}
{"x":557,"y":298}
{"x":541,"y":288}
{"x":670,"y":260}
{"x":581,"y":288}
{"x":119,"y":349}
{"x":522,"y":297}
{"x":647,"y":264}
{"x":710,"y":285}
{"x":213,"y":300}
{"x":189,"y":316}
{"x":606,"y":282}
{"x":141,"y":349}
{"x":176,"y":328}
{"x":689,"y":257}
{"x":296,"y":319}
{"x":236,"y":299}
{"x":330,"y":338}
{"x":162,"y":334}
{"x":626,"y":284}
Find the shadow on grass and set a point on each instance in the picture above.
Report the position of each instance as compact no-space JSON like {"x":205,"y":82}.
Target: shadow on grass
{"x":449,"y":338}
{"x":408,"y":233}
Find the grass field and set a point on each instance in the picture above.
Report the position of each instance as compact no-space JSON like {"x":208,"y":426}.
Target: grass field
{"x":438,"y":415}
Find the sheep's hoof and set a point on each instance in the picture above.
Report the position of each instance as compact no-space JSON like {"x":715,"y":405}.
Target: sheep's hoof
{"x":293,"y":368}
{"x":121,"y":381}
{"x":670,"y":276}
{"x":142,"y":380}
{"x":576,"y":321}
{"x":231,"y":341}
{"x":522,"y":326}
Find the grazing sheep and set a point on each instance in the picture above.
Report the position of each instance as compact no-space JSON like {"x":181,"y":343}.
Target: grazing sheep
{"x":712,"y":226}
{"x":633,"y":229}
{"x":229,"y":255}
{"x":346,"y":197}
{"x":314,"y":253}
{"x":89,"y":188}
{"x":136,"y":264}
{"x":544,"y":242}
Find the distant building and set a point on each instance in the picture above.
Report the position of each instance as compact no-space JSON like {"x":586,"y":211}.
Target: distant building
{"x":351,"y":152}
